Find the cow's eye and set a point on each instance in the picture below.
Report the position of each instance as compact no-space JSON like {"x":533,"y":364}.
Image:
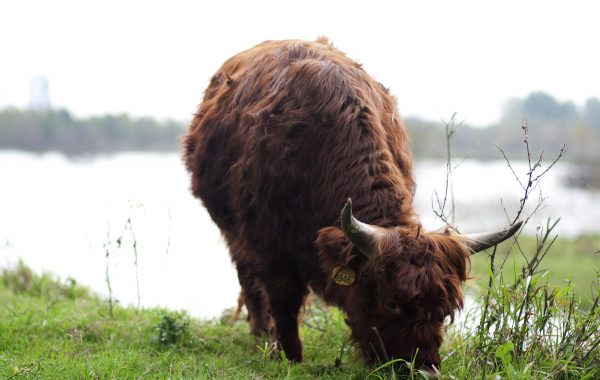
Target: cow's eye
{"x":391,"y":305}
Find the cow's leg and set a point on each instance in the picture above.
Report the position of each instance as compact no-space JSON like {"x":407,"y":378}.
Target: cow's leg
{"x":254,"y":298}
{"x":286,"y":297}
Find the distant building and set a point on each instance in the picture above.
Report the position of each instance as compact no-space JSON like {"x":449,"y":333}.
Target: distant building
{"x":39,"y":97}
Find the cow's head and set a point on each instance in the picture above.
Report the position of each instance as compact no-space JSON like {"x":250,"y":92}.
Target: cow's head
{"x":397,"y":284}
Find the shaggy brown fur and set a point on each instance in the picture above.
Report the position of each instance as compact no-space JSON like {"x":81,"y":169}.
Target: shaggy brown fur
{"x":287,"y":131}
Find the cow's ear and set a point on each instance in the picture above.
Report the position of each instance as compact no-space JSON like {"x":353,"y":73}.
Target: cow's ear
{"x":333,"y":248}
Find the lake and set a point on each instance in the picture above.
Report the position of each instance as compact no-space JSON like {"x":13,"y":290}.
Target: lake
{"x":62,"y":216}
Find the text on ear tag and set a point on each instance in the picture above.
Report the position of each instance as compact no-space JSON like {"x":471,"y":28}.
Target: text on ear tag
{"x":344,"y":276}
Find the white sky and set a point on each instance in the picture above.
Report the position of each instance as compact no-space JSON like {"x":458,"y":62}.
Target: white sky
{"x":155,"y":58}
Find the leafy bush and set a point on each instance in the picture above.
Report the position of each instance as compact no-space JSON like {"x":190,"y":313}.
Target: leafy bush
{"x":173,"y":329}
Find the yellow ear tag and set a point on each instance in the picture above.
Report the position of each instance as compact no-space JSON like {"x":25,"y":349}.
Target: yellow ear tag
{"x":344,"y":276}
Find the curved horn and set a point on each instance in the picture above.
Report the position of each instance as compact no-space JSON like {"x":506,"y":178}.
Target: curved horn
{"x":484,"y":240}
{"x":363,"y":236}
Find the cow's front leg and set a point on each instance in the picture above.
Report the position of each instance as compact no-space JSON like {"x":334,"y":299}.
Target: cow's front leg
{"x":286,"y":296}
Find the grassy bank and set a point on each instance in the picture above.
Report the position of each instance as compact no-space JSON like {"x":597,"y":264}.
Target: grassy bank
{"x":58,"y":330}
{"x":528,"y":328}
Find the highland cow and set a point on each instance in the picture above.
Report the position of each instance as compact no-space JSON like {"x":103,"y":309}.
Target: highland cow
{"x":288,"y":133}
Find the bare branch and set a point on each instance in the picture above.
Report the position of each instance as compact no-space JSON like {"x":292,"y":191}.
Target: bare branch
{"x":440,"y":212}
{"x":561,"y":153}
{"x":532,"y":180}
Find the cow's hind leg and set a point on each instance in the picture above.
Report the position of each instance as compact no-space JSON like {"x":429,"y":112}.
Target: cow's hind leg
{"x":254,"y":297}
{"x":286,"y":297}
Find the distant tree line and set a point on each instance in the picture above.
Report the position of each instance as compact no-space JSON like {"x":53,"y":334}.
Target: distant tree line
{"x":58,"y":130}
{"x":551,"y":123}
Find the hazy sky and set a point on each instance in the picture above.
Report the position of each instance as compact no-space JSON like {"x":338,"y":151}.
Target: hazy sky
{"x":155,"y":58}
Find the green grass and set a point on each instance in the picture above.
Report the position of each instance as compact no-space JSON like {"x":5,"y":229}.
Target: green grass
{"x":55,"y":329}
{"x":569,"y":261}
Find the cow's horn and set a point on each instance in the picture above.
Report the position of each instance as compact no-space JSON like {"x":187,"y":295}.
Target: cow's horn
{"x":484,"y":240}
{"x":363,"y":236}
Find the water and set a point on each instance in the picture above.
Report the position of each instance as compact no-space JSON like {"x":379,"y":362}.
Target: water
{"x":58,"y":216}
{"x":487,"y":196}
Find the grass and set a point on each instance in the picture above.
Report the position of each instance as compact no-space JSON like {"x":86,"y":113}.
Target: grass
{"x":51,"y":328}
{"x":57,"y":329}
{"x":570,"y":261}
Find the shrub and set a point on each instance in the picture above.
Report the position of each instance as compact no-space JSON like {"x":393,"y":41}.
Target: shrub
{"x":173,"y":328}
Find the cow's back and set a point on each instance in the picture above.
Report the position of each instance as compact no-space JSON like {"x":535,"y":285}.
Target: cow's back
{"x":286,"y":132}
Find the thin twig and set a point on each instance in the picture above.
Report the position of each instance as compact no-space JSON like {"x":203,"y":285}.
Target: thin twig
{"x":561,"y":153}
{"x":440,"y":211}
{"x":107,"y":252}
{"x":168,"y":233}
{"x":311,"y":326}
{"x":385,"y":355}
{"x":129,"y":225}
{"x":510,"y":166}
